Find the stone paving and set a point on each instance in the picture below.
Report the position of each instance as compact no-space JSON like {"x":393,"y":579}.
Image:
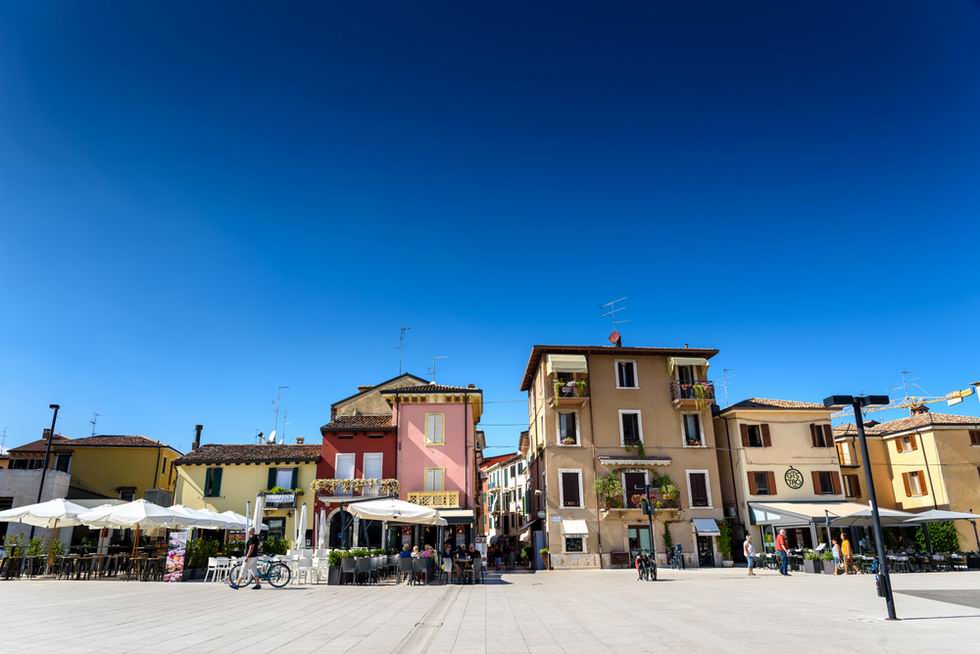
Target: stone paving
{"x":574,"y":611}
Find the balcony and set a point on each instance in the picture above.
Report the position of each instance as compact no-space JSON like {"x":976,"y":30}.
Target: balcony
{"x":326,"y":488}
{"x":568,"y":392}
{"x":697,"y":394}
{"x":435,"y":499}
{"x":280,"y":501}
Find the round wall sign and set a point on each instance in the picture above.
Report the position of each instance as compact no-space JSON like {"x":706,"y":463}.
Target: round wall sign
{"x":794,"y":478}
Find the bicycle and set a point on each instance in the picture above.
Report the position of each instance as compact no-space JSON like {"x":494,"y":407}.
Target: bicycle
{"x":276,"y":573}
{"x":646,"y":567}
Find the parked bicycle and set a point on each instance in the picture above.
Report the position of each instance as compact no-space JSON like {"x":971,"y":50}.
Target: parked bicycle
{"x":646,"y":567}
{"x":276,"y":573}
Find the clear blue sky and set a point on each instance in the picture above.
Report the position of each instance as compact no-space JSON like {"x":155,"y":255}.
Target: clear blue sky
{"x":201,"y":202}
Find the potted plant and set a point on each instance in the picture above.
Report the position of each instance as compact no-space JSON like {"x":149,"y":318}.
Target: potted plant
{"x":580,"y":387}
{"x":725,"y":544}
{"x":333,"y":566}
{"x":545,"y":558}
{"x":568,"y":440}
{"x":811,"y":562}
{"x":609,"y":489}
{"x":827,"y":557}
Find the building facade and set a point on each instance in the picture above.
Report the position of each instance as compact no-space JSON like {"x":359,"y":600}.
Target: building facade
{"x":777,"y":451}
{"x":638,"y":419}
{"x":504,"y":481}
{"x":226,"y":477}
{"x":925,"y":461}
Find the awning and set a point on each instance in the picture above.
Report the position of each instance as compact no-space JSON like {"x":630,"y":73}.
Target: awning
{"x":565,"y":363}
{"x":801,"y":514}
{"x":706,"y":527}
{"x":574,"y":527}
{"x":456,"y":516}
{"x":393,"y":510}
{"x":673,"y":362}
{"x":938,"y":515}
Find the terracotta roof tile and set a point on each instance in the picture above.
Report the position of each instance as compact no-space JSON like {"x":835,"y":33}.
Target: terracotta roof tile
{"x":765,"y":403}
{"x":358,"y":423}
{"x":40,"y":444}
{"x":493,"y":460}
{"x":917,"y":421}
{"x":114,"y":440}
{"x":250,"y":454}
{"x":431,"y":388}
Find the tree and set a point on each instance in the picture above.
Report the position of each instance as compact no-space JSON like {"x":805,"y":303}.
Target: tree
{"x":943,"y":535}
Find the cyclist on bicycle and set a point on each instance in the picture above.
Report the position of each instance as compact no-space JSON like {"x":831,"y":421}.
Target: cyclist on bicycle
{"x":251,"y":561}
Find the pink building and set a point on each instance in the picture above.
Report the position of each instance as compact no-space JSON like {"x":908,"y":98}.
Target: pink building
{"x":437,"y":452}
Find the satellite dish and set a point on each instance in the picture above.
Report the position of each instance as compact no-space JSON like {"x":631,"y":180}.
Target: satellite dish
{"x":615,"y":338}
{"x":272,"y":438}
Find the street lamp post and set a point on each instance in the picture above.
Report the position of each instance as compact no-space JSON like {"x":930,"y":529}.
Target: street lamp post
{"x":857,"y":403}
{"x":649,"y":509}
{"x":47,"y":454}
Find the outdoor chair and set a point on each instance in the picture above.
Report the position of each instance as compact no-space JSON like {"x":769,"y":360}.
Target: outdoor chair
{"x":392,"y":565}
{"x":212,"y":569}
{"x":304,"y":568}
{"x":362,"y":568}
{"x":404,"y":567}
{"x":347,"y":568}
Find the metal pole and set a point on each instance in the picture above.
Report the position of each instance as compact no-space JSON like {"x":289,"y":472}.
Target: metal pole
{"x":47,"y":455}
{"x":975,"y":534}
{"x":653,"y":540}
{"x":875,"y":518}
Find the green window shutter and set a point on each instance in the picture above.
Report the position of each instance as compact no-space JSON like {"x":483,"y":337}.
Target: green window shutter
{"x":295,"y":481}
{"x":272,"y":479}
{"x":216,"y":482}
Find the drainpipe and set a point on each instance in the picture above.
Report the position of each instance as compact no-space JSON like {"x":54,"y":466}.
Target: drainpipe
{"x":156,"y":470}
{"x":932,"y":488}
{"x":731,"y":464}
{"x":595,"y":469}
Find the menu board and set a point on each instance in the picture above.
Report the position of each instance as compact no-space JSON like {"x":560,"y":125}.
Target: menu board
{"x":175,"y":556}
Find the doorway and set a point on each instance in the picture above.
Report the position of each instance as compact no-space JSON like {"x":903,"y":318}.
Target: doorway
{"x":639,"y":540}
{"x":706,"y":551}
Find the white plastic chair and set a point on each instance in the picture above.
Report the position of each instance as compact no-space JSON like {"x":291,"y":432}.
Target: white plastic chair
{"x":213,"y":570}
{"x":224,"y":565}
{"x":304,"y":567}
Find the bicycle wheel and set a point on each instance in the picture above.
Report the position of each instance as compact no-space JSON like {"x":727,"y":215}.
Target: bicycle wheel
{"x":652,"y":573}
{"x":279,"y":575}
{"x":235,"y":578}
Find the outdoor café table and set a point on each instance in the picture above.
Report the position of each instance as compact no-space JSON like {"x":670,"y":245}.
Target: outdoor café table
{"x":465,"y":565}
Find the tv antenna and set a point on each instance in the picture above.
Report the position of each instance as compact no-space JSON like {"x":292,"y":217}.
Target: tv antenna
{"x":610,"y":310}
{"x":276,"y":403}
{"x":725,"y":381}
{"x":282,"y":436}
{"x":95,"y":418}
{"x":3,"y":440}
{"x":401,"y":348}
{"x":435,"y":360}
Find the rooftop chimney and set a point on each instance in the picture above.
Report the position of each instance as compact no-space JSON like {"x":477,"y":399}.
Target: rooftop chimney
{"x":300,"y":440}
{"x":261,"y":438}
{"x":197,"y":436}
{"x":917,"y":409}
{"x":362,"y":388}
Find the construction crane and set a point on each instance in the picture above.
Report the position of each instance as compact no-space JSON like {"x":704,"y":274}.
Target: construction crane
{"x":909,"y":401}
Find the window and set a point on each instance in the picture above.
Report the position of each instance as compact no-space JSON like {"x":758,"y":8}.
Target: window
{"x":906,"y":444}
{"x":762,"y":483}
{"x":62,"y":462}
{"x":975,"y":437}
{"x":277,"y":527}
{"x":570,"y":488}
{"x":692,"y":430}
{"x":755,"y":435}
{"x":630,"y":427}
{"x":127,"y":494}
{"x":915,"y":485}
{"x":574,"y":544}
{"x":626,"y":374}
{"x":283,"y":478}
{"x":825,"y":482}
{"x":373,"y":470}
{"x":686,"y":375}
{"x":634,"y":483}
{"x":343,"y":469}
{"x":435,"y":480}
{"x":821,"y":436}
{"x":568,"y":428}
{"x":212,"y":482}
{"x":435,"y":429}
{"x":852,"y":487}
{"x":163,"y":468}
{"x":5,"y":503}
{"x":697,"y":489}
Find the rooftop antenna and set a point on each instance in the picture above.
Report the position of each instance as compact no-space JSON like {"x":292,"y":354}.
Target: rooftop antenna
{"x":610,"y":310}
{"x":95,"y":419}
{"x":282,"y":436}
{"x":401,"y":348}
{"x":276,"y":403}
{"x":3,"y":440}
{"x":725,"y":381}
{"x":435,"y":359}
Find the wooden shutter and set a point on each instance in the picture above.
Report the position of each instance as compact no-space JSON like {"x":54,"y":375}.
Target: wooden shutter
{"x":828,"y":436}
{"x":766,"y":440}
{"x":215,"y":485}
{"x":813,"y":435}
{"x":753,"y":489}
{"x":699,"y":489}
{"x":272,"y":479}
{"x":974,"y":437}
{"x":771,"y":482}
{"x":908,"y":485}
{"x":569,"y":489}
{"x":912,"y":442}
{"x":295,"y":480}
{"x":856,"y":485}
{"x":898,"y":444}
{"x":835,"y":480}
{"x":815,"y":476}
{"x":744,"y":429}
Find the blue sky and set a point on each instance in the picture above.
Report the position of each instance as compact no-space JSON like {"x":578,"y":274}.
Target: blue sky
{"x":201,"y":203}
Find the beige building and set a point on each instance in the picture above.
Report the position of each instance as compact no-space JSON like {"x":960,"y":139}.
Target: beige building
{"x":778,"y":456}
{"x":636,"y":415}
{"x":925,"y":461}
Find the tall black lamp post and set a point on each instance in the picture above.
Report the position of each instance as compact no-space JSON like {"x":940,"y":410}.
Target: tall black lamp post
{"x":858,"y":403}
{"x":649,"y":509}
{"x":47,"y":455}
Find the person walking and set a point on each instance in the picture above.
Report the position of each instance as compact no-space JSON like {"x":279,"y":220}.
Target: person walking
{"x":835,"y":549}
{"x":783,"y":553}
{"x":749,"y":551}
{"x":251,"y":561}
{"x":846,"y":553}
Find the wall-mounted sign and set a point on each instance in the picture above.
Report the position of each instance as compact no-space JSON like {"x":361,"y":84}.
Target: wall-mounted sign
{"x":794,"y":478}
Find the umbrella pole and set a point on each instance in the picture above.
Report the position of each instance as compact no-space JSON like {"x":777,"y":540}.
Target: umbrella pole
{"x":925,"y":527}
{"x":54,"y":533}
{"x":136,"y":540}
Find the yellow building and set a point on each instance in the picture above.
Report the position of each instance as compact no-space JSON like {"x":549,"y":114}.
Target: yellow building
{"x":925,"y":461}
{"x":225,"y":477}
{"x":113,"y":466}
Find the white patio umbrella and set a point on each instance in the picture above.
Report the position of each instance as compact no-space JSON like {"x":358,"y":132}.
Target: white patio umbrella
{"x":939,"y":515}
{"x":301,"y":528}
{"x":237,"y":520}
{"x":392,"y":510}
{"x":321,"y":530}
{"x":198,"y":519}
{"x":257,"y":513}
{"x":889,"y":518}
{"x":136,"y":515}
{"x":51,"y":514}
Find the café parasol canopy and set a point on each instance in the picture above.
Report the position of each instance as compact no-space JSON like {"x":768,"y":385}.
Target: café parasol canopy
{"x":52,"y":514}
{"x":392,"y":510}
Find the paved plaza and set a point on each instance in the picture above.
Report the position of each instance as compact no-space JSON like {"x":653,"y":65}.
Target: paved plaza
{"x":574,"y":611}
